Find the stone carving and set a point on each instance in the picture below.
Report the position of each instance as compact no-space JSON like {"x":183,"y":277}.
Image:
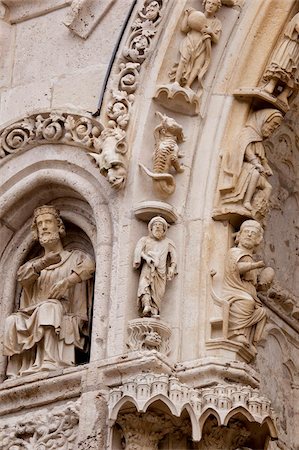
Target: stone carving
{"x":114,"y":163}
{"x":202,"y":30}
{"x":110,"y":158}
{"x":283,"y":70}
{"x":242,"y":277}
{"x":148,"y":334}
{"x":156,"y":255}
{"x":56,"y":294}
{"x":168,"y":134}
{"x":228,"y":438}
{"x":144,"y":431}
{"x":243,"y":186}
{"x":49,"y":127}
{"x":57,"y":429}
{"x":222,"y":399}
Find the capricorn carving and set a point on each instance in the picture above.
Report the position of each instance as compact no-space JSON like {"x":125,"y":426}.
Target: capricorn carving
{"x":168,"y":134}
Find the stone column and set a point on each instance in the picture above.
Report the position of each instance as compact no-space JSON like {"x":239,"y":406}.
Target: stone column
{"x":143,"y":431}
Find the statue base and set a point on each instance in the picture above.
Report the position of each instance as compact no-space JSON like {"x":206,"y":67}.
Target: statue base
{"x":234,"y":215}
{"x":148,"y":334}
{"x":261,"y":98}
{"x":179,"y":99}
{"x":146,"y":210}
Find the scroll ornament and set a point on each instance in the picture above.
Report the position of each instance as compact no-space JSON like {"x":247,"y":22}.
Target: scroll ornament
{"x":111,"y":154}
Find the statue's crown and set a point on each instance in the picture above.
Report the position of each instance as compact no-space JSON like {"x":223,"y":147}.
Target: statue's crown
{"x":45,"y":209}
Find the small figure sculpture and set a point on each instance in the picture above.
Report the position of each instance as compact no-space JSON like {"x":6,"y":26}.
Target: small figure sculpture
{"x":245,"y":169}
{"x":283,"y":70}
{"x":111,"y":158}
{"x":43,"y":334}
{"x":156,"y":255}
{"x":247,"y":317}
{"x":202,"y":30}
{"x":168,"y":134}
{"x":195,"y":52}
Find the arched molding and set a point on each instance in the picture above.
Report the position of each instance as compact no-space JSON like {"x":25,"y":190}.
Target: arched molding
{"x":240,"y":410}
{"x":49,"y":127}
{"x":223,"y":402}
{"x":63,"y":176}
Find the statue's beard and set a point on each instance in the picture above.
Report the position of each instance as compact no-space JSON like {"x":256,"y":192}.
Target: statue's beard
{"x":49,"y":238}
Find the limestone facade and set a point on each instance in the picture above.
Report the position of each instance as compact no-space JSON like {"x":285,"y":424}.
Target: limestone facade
{"x":122,"y":114}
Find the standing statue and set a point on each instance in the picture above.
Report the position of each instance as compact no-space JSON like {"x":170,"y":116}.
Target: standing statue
{"x":202,"y":29}
{"x":168,"y":134}
{"x":156,"y":255}
{"x":245,"y":169}
{"x":283,"y":69}
{"x":43,"y":334}
{"x":242,"y":276}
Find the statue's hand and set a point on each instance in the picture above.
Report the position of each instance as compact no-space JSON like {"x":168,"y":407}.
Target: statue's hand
{"x":170,"y":273}
{"x":59,"y":289}
{"x":259,"y":168}
{"x":51,"y":258}
{"x":46,"y":261}
{"x":259,"y":264}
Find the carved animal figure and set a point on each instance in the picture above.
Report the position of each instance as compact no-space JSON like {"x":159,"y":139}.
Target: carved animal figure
{"x":168,"y":134}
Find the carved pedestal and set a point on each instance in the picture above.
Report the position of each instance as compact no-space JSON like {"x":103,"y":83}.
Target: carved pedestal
{"x":143,"y":431}
{"x":148,"y":334}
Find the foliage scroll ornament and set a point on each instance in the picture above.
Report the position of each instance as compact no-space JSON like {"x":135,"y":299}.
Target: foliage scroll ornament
{"x":49,"y":127}
{"x":112,"y":158}
{"x":55,"y":430}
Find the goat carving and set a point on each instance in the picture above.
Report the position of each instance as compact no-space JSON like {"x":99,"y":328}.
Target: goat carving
{"x":168,"y":134}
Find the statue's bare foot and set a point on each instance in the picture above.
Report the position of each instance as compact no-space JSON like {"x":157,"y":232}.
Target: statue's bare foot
{"x":146,"y":311}
{"x":248,"y":206}
{"x":241,"y":338}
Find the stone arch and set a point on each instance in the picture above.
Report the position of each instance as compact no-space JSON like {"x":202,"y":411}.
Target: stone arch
{"x":64,"y":176}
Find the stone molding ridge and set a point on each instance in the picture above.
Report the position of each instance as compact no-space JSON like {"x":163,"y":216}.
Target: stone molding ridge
{"x":21,"y":10}
{"x":224,"y":401}
{"x":49,"y":127}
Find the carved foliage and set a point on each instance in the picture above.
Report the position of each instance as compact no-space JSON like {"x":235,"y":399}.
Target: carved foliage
{"x":54,"y":430}
{"x":143,"y":431}
{"x":49,"y":127}
{"x":148,"y":334}
{"x":118,"y":112}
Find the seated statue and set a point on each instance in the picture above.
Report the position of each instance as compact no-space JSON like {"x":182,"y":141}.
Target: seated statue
{"x":242,"y":277}
{"x":43,"y":334}
{"x":245,"y":168}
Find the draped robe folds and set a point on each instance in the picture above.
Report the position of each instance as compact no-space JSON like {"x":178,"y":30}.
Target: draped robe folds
{"x":236,"y":167}
{"x":285,"y":60}
{"x":152,"y":279}
{"x":195,"y":50}
{"x":25,"y":328}
{"x":239,"y":291}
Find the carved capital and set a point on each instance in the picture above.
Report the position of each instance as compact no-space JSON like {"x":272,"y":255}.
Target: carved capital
{"x":144,"y":431}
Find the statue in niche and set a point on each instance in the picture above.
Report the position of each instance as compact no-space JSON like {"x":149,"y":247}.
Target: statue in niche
{"x":244,"y":187}
{"x":156,"y":255}
{"x":283,"y":70}
{"x":168,"y":134}
{"x":202,"y":30}
{"x":50,"y":323}
{"x":242,"y":277}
